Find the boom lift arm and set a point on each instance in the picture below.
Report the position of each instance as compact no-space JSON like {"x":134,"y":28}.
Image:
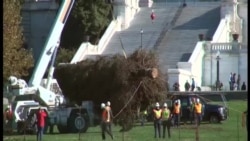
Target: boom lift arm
{"x":43,"y":93}
{"x":51,"y":43}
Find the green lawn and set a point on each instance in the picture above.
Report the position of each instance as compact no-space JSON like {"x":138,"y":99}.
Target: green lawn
{"x":229,"y":130}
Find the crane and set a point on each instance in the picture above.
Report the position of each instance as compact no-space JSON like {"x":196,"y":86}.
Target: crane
{"x":46,"y":92}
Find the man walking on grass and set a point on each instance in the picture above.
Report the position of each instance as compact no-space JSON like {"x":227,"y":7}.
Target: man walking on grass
{"x":106,"y":122}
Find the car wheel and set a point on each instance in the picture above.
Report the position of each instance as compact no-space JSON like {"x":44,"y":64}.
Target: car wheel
{"x":77,"y":123}
{"x":214,"y":119}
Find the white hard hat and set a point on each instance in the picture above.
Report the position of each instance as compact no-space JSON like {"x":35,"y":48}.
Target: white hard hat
{"x":165,"y":105}
{"x":108,"y":103}
{"x":179,"y":101}
{"x":102,"y":105}
{"x":198,"y":100}
{"x":12,"y":80}
{"x":157,"y":104}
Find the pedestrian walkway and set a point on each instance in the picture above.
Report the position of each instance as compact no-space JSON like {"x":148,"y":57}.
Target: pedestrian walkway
{"x":173,"y":33}
{"x":179,"y":42}
{"x":132,"y":39}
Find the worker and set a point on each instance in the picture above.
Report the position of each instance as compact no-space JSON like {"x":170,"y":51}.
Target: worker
{"x":176,"y":113}
{"x":108,"y":108}
{"x":166,"y":120}
{"x":8,"y":119}
{"x":191,"y":114}
{"x":198,"y":111}
{"x":157,"y":119}
{"x":41,"y":115}
{"x":105,"y":123}
{"x":143,"y":116}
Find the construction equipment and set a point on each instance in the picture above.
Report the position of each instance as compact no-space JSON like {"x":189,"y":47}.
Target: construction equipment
{"x":46,"y":92}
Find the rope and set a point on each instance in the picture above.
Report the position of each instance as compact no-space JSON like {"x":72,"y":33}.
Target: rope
{"x":129,"y":100}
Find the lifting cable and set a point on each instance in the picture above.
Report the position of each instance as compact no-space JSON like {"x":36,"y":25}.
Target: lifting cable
{"x":129,"y":100}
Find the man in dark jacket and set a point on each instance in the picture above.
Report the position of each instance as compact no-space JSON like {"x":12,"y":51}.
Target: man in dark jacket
{"x":187,"y":86}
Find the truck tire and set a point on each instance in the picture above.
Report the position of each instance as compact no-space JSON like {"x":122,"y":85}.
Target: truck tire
{"x":214,"y":119}
{"x":62,"y":129}
{"x":77,"y":123}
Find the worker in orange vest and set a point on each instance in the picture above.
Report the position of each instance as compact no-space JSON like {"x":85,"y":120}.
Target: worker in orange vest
{"x":176,"y":113}
{"x":108,"y":108}
{"x":106,"y":121}
{"x":198,"y":111}
{"x":157,"y":119}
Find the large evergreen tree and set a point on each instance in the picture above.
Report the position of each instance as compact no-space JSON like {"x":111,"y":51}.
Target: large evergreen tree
{"x":127,"y":83}
{"x":16,"y":59}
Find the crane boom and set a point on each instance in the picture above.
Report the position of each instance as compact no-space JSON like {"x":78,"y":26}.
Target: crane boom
{"x":52,"y":43}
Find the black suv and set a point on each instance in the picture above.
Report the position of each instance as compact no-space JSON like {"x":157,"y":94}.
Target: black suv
{"x":213,"y":113}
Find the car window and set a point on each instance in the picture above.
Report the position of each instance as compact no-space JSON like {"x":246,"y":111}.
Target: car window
{"x":184,"y":102}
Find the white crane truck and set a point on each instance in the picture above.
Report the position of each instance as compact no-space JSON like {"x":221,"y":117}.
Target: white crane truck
{"x":46,"y":92}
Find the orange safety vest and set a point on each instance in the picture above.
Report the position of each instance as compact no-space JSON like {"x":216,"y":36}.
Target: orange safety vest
{"x":197,"y":108}
{"x":176,"y":109}
{"x":105,"y":115}
{"x":108,"y":108}
{"x":157,"y":113}
{"x":8,"y":115}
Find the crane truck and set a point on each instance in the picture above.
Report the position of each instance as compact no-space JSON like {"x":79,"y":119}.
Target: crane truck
{"x":46,"y":93}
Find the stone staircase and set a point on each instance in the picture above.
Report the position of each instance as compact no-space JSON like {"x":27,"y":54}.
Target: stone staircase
{"x":180,"y":40}
{"x":131,"y":38}
{"x":173,"y":34}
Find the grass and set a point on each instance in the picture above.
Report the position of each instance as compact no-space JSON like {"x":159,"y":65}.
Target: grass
{"x":229,"y":130}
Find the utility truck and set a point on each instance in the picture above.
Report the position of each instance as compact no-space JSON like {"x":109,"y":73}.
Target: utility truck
{"x":46,"y":93}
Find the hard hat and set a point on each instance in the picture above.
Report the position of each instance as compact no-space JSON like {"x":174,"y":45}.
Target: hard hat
{"x":165,"y":105}
{"x":198,"y":100}
{"x":102,"y":105}
{"x":179,"y":101}
{"x":157,"y":104}
{"x":108,"y":103}
{"x":12,"y":80}
{"x":176,"y":101}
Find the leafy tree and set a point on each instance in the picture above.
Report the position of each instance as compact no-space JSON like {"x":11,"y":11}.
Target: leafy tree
{"x":65,"y":55}
{"x":125,"y":82}
{"x":16,"y":59}
{"x":88,"y":17}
